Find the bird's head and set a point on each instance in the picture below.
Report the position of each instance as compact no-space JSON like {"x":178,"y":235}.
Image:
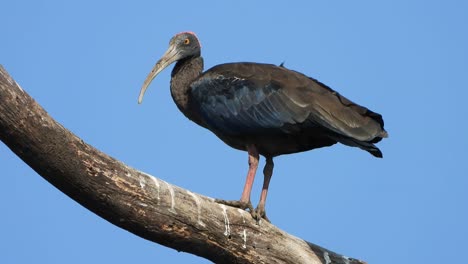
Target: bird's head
{"x":183,"y":45}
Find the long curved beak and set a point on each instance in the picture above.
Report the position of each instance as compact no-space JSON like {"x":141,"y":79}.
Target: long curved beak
{"x":170,"y":56}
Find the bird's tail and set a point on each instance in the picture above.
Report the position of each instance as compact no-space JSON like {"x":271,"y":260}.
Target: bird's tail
{"x":367,"y":146}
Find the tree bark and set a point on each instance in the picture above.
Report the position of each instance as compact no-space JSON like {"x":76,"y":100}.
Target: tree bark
{"x":140,"y":203}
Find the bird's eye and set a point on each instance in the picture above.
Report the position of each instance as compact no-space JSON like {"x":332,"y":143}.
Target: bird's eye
{"x":186,"y":41}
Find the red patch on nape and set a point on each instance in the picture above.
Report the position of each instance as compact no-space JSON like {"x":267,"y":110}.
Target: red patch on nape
{"x":191,"y":33}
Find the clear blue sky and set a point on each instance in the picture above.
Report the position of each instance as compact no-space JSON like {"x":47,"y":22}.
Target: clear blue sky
{"x":85,"y":61}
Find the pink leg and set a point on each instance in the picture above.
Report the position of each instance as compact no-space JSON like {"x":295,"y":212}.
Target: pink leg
{"x":253,"y":165}
{"x":244,"y":202}
{"x":267,"y":173}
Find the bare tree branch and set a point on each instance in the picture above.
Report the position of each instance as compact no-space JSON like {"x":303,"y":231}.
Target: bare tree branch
{"x":140,"y":203}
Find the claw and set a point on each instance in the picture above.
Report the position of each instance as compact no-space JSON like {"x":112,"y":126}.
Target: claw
{"x":259,"y":214}
{"x":238,"y":204}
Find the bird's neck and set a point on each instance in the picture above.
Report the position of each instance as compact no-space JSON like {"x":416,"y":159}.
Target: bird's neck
{"x":184,"y":73}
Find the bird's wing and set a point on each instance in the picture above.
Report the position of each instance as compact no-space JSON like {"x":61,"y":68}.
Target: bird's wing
{"x":233,"y":103}
{"x":250,"y":98}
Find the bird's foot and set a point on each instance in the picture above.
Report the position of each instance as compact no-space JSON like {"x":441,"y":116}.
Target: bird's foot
{"x":238,"y":204}
{"x":259,"y":214}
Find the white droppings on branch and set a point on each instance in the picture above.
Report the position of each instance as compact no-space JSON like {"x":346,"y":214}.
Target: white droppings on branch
{"x":326,"y":257}
{"x":158,"y":187}
{"x":346,"y":259}
{"x":171,"y":192}
{"x":19,"y":87}
{"x":227,"y":227}
{"x":244,"y":233}
{"x":198,"y":203}
{"x":142,"y":182}
{"x":245,"y":239}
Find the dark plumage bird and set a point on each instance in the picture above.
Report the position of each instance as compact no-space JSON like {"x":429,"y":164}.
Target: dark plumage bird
{"x":263,"y":109}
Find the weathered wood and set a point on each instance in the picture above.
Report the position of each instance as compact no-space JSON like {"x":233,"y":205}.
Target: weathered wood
{"x":140,"y":203}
